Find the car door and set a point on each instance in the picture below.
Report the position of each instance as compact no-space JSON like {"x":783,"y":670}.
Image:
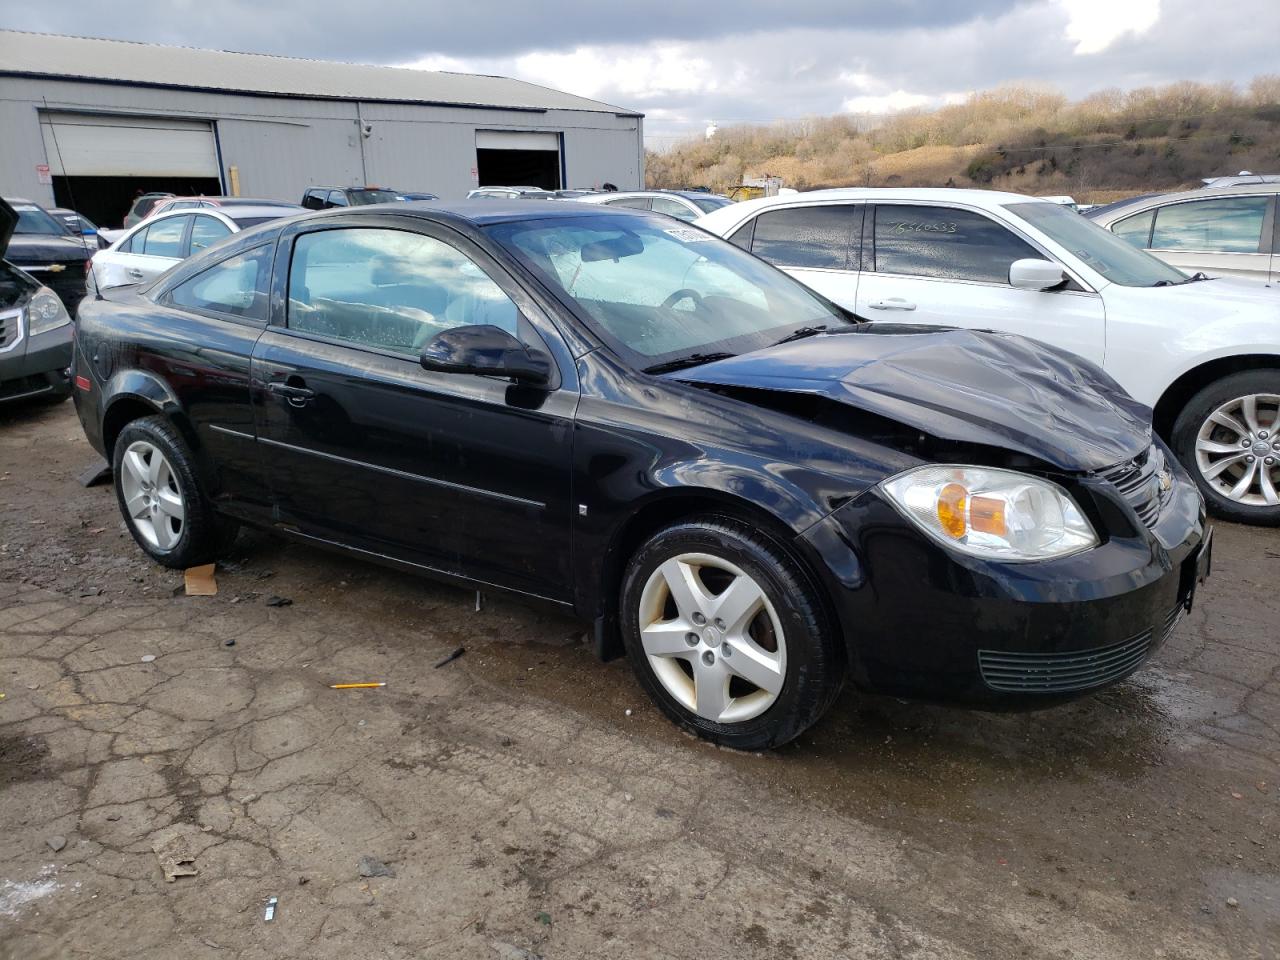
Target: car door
{"x":949,"y":265}
{"x":818,"y":244}
{"x":223,"y":310}
{"x":148,"y":252}
{"x":1221,"y":236}
{"x":467,"y":475}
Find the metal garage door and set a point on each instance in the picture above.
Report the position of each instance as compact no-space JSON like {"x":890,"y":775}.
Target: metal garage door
{"x":519,"y":158}
{"x":90,"y":145}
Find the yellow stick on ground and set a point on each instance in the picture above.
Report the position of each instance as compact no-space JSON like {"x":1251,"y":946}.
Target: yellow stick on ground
{"x":354,"y":686}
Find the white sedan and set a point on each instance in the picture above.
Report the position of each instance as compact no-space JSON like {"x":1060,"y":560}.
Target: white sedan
{"x":682,"y":204}
{"x":1204,"y":354}
{"x":156,"y":244}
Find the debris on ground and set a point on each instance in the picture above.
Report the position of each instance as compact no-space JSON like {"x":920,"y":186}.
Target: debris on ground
{"x":56,"y":843}
{"x":451,"y":657}
{"x":543,"y":918}
{"x":1232,"y":902}
{"x":148,"y":658}
{"x":175,"y":856}
{"x":229,"y":642}
{"x":372,"y":867}
{"x":99,"y":471}
{"x":279,"y":602}
{"x":200,"y":581}
{"x":356,"y":686}
{"x":270,"y":913}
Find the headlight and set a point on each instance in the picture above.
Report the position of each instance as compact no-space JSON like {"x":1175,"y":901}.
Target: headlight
{"x":987,"y":512}
{"x":45,"y":312}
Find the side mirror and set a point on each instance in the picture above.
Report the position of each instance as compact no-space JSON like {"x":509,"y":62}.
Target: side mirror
{"x":1032,"y":274}
{"x":488,"y":351}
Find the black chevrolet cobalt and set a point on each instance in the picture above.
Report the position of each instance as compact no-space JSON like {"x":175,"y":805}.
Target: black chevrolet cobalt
{"x":752,"y":493}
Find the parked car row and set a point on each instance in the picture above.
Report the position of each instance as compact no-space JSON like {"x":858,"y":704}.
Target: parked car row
{"x":753,"y":493}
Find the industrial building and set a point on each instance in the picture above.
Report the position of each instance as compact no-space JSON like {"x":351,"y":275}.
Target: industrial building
{"x":88,"y":123}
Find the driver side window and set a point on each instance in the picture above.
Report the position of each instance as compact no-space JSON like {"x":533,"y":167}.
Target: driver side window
{"x":389,"y":289}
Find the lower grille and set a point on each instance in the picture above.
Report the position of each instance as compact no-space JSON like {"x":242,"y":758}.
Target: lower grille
{"x":1075,"y":670}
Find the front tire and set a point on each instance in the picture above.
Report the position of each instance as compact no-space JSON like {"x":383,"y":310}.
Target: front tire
{"x":161,"y":499}
{"x":727,"y":635}
{"x":1227,"y":437}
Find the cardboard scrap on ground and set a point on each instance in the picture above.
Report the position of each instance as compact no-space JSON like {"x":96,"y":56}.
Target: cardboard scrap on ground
{"x":175,"y":856}
{"x":200,"y":581}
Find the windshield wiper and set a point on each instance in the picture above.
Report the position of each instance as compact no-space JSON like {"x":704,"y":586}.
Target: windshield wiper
{"x":692,"y":360}
{"x":1195,"y":277}
{"x":802,"y":333}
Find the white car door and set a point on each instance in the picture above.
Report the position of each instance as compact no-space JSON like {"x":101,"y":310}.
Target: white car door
{"x":939,"y":264}
{"x":147,"y":251}
{"x":817,"y":243}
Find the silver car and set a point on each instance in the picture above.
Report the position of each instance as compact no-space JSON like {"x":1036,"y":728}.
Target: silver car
{"x":1220,"y":231}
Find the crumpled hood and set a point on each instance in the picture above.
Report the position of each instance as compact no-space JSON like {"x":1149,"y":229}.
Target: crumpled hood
{"x":968,"y":386}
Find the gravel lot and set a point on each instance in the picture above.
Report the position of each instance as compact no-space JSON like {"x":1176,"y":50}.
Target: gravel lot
{"x":530,"y":802}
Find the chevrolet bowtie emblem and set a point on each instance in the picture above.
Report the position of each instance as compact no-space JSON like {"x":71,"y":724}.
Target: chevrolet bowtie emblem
{"x":56,"y":268}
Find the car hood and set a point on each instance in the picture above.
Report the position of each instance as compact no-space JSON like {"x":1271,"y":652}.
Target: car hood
{"x":8,"y":220}
{"x":967,"y":386}
{"x":1218,"y":294}
{"x":34,"y":248}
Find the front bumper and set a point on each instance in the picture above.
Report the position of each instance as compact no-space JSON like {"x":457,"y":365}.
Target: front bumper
{"x":37,"y":365}
{"x":924,"y":621}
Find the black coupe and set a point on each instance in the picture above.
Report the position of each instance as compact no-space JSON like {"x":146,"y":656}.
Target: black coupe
{"x":750,"y":491}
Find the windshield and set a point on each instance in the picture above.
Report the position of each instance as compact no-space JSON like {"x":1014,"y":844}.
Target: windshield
{"x":707,"y":204}
{"x":659,"y":292}
{"x":33,"y":220}
{"x":374,"y":196}
{"x":1099,"y":249}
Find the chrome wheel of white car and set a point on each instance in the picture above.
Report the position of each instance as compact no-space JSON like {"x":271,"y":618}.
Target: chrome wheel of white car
{"x":712,"y":637}
{"x":1237,"y":450}
{"x":152,"y":498}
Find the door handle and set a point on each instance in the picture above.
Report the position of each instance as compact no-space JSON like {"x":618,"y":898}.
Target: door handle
{"x":295,"y":393}
{"x":135,"y":273}
{"x":893,"y":303}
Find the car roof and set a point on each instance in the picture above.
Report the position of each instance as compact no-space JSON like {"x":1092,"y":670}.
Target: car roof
{"x":248,"y":210}
{"x":480,"y":213}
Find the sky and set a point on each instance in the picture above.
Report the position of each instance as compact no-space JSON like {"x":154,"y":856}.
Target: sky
{"x":687,"y":64}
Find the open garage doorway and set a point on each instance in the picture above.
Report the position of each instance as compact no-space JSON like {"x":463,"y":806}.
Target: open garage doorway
{"x":510,"y":158}
{"x":101,"y":162}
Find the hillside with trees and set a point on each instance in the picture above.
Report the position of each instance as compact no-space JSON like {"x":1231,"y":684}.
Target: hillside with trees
{"x":1029,"y":140}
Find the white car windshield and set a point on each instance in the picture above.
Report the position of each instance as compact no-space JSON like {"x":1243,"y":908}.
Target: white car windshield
{"x":1099,"y":249}
{"x":663,"y":292}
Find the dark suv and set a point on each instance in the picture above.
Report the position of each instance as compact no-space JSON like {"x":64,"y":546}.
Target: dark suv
{"x":45,"y":247}
{"x":35,"y":330}
{"x":324,"y":198}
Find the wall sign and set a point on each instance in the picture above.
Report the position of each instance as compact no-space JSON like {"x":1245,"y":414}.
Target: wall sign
{"x":42,"y":173}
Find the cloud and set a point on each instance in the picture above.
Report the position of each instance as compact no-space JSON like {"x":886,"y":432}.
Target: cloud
{"x":1095,"y":25}
{"x":685,"y":65}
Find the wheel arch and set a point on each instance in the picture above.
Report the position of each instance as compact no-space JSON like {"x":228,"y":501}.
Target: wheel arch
{"x":1186,"y":386}
{"x":669,"y":507}
{"x":134,"y":395}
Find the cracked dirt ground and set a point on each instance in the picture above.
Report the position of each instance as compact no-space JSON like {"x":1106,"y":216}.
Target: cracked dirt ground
{"x":521,"y":808}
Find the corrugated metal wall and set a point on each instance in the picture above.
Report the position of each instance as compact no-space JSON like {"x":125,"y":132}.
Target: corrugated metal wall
{"x":282,"y":145}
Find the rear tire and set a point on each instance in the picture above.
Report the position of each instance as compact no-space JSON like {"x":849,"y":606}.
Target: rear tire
{"x":727,"y":634}
{"x":1226,"y":437}
{"x":161,"y":498}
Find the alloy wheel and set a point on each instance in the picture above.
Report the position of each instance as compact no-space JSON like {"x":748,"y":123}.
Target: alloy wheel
{"x":152,"y":497}
{"x":1238,"y":450}
{"x":712,"y":637}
